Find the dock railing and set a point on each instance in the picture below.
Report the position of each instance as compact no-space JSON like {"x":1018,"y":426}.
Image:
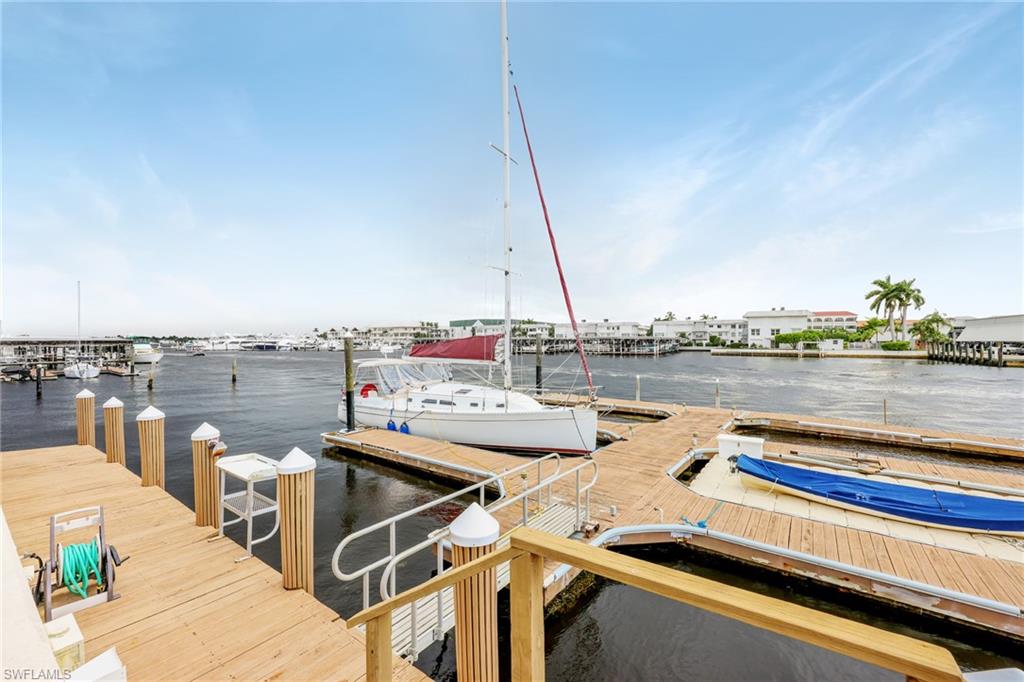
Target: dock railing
{"x":529,"y":548}
{"x":543,"y":483}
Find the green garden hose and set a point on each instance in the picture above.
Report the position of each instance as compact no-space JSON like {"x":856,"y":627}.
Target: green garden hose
{"x":80,"y":560}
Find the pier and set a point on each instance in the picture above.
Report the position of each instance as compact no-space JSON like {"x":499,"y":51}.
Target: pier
{"x":187,"y":609}
{"x":637,"y":499}
{"x":54,"y":353}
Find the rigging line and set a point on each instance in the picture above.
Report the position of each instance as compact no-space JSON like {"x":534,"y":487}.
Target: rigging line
{"x":554,"y":248}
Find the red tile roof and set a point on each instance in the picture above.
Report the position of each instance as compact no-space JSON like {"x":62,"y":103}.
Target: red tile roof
{"x":834,"y":313}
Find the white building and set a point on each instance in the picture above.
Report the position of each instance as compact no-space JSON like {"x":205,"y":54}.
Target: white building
{"x":563,"y":330}
{"x":765,"y":325}
{"x":701,"y":331}
{"x":821,"y":320}
{"x":479,"y":326}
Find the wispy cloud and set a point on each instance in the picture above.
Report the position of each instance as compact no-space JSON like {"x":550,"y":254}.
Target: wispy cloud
{"x":989,"y":223}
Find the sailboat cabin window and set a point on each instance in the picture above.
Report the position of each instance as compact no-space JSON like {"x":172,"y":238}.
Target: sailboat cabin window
{"x":500,"y":405}
{"x":474,"y":404}
{"x":429,"y":401}
{"x":446,"y":402}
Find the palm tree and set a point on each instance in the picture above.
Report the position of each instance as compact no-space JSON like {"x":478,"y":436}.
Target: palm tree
{"x":871,"y":328}
{"x":883,"y":301}
{"x":906,"y":295}
{"x":931,"y":328}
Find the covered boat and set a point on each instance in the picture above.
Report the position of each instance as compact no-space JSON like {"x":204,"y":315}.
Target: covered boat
{"x":913,"y":504}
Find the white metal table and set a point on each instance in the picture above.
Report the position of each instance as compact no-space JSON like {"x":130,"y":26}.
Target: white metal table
{"x":247,"y":504}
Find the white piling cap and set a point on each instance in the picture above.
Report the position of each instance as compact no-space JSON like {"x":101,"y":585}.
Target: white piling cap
{"x":347,"y":335}
{"x":474,"y":528}
{"x":113,"y":402}
{"x":149,"y":414}
{"x":296,"y":462}
{"x":85,"y":393}
{"x":205,"y":432}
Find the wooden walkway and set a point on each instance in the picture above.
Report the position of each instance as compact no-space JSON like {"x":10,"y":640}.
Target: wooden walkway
{"x":187,"y":609}
{"x":634,"y":482}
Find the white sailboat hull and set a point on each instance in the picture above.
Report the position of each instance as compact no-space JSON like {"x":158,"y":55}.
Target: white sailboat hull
{"x":566,"y":430}
{"x":81,"y":370}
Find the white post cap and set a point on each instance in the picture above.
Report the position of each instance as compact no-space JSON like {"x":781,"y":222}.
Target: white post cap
{"x":113,"y":402}
{"x":296,"y":462}
{"x":474,"y":528}
{"x":205,"y":432}
{"x":347,"y":335}
{"x":149,"y":414}
{"x":84,"y":393}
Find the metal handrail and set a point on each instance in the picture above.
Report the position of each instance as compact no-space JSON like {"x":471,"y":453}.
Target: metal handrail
{"x":439,"y":536}
{"x":391,"y":522}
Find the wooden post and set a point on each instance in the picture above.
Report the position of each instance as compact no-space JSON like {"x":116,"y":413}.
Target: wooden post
{"x":539,"y":351}
{"x":205,"y":477}
{"x":999,"y":354}
{"x":85,"y":417}
{"x":638,"y":388}
{"x":526,"y":606}
{"x":718,"y":395}
{"x":988,"y":353}
{"x":296,"y":476}
{"x":234,"y":371}
{"x":113,"y":430}
{"x":475,"y":533}
{"x":152,"y":377}
{"x":151,"y":446}
{"x":885,"y":411}
{"x":350,"y":385}
{"x":378,"y":649}
{"x":39,"y":381}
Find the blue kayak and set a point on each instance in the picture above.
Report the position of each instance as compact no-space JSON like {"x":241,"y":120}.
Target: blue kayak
{"x":912,"y":503}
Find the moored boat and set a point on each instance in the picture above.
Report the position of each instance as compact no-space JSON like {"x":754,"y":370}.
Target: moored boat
{"x":927,"y":506}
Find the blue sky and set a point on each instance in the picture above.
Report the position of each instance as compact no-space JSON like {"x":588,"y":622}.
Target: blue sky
{"x":233,"y":167}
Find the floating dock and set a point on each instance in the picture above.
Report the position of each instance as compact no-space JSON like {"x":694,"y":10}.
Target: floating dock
{"x":187,"y":608}
{"x":638,"y":499}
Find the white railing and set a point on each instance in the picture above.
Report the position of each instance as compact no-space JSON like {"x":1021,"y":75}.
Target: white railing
{"x":392,"y":522}
{"x":438,"y":538}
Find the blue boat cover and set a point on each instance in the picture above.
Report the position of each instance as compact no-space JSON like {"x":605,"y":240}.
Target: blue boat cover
{"x":970,"y":512}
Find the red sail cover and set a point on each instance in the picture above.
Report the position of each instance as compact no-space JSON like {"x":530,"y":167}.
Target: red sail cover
{"x":477,"y":348}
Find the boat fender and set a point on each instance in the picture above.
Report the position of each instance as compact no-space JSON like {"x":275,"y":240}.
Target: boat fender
{"x":404,"y":428}
{"x":391,"y":425}
{"x":364,"y":392}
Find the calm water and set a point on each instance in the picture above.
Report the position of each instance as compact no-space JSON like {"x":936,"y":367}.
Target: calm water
{"x":286,"y":400}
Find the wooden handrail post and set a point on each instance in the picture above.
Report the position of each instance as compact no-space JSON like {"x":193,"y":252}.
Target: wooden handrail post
{"x":85,"y":417}
{"x":378,"y":649}
{"x":474,"y":534}
{"x":205,"y":477}
{"x":526,"y":604}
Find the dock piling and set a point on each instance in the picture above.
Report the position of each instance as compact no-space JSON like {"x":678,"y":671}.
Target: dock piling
{"x":638,"y":388}
{"x":296,"y":476}
{"x":474,"y":534}
{"x":539,"y":350}
{"x":885,"y":411}
{"x":39,"y":382}
{"x":151,"y":446}
{"x":152,"y":377}
{"x":999,"y":354}
{"x":350,"y":385}
{"x":85,"y":417}
{"x":234,"y":371}
{"x":205,"y":477}
{"x":718,"y":395}
{"x":113,"y":430}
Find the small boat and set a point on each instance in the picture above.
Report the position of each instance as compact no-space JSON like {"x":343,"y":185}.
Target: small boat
{"x":198,"y":354}
{"x":147,"y":353}
{"x":913,"y":504}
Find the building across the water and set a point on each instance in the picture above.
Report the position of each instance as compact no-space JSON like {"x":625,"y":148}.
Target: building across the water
{"x":492,"y":325}
{"x":607,"y":328}
{"x":765,"y":325}
{"x":832,"y":319}
{"x":55,"y":351}
{"x":700,"y":331}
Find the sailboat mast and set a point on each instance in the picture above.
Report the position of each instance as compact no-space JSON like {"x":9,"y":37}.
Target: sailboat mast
{"x":78,"y":357}
{"x":507,"y":368}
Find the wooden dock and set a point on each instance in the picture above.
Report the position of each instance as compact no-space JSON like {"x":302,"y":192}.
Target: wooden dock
{"x":187,"y":610}
{"x":634,"y":489}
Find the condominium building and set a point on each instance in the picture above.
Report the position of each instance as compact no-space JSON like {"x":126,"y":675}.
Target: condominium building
{"x":701,"y":331}
{"x":833,"y":319}
{"x":489,"y":325}
{"x":765,"y":325}
{"x":563,"y":330}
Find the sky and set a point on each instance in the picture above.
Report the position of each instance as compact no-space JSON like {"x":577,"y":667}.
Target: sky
{"x":232,"y":167}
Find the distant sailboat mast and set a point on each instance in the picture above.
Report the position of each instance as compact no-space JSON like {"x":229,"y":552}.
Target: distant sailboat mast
{"x":505,"y":151}
{"x":78,"y":352}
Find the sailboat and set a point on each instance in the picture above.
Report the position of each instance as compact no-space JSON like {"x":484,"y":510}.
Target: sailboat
{"x":417,"y":394}
{"x":80,"y":369}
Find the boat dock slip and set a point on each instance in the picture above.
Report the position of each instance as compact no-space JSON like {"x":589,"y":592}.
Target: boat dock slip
{"x":637,"y":499}
{"x":187,"y":609}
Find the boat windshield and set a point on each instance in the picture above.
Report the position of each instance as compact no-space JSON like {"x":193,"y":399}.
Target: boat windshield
{"x":435,"y":372}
